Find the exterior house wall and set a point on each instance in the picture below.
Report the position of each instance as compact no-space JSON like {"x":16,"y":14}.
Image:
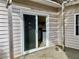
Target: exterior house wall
{"x":71,"y":39}
{"x":54,"y":28}
{"x":17,"y":20}
{"x":55,"y":25}
{"x":4,"y":31}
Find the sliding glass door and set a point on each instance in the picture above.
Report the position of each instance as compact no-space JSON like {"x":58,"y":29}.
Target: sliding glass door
{"x":29,"y":32}
{"x":34,"y":31}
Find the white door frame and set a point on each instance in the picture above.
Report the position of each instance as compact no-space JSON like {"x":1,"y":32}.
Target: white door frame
{"x":36,"y":31}
{"x":47,"y":30}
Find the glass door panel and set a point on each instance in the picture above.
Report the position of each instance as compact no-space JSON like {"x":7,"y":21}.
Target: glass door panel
{"x":29,"y":32}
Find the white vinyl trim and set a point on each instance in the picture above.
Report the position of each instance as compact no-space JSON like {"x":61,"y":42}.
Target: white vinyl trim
{"x":36,"y":31}
{"x":47,"y":30}
{"x":75,"y":24}
{"x":22,"y":32}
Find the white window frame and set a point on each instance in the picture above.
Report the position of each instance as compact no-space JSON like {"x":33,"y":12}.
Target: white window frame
{"x":75,"y":24}
{"x":47,"y":30}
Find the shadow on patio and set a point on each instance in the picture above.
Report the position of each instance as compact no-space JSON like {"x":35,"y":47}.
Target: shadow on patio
{"x":51,"y":53}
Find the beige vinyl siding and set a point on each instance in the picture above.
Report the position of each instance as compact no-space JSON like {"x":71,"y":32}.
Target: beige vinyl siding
{"x":53,"y":23}
{"x":72,"y":40}
{"x":4,"y":31}
{"x":16,"y":31}
{"x":60,"y":28}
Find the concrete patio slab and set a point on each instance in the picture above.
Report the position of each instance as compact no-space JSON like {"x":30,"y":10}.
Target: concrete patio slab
{"x":52,"y":53}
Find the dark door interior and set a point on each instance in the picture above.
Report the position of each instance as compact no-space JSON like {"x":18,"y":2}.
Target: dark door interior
{"x":29,"y":32}
{"x":41,"y":31}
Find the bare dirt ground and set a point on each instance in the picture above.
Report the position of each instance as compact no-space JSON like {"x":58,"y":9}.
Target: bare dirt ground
{"x":52,"y":53}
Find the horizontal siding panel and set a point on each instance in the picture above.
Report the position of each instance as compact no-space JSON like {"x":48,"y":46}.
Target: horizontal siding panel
{"x":4,"y":35}
{"x":3,"y":8}
{"x":15,"y":14}
{"x":72,"y":44}
{"x":67,"y":21}
{"x":53,"y":25}
{"x":3,"y":20}
{"x":17,"y":39}
{"x":5,"y":51}
{"x":75,"y":42}
{"x":1,"y":36}
{"x":19,"y":50}
{"x":53,"y":16}
{"x":3,"y":16}
{"x":16,"y":21}
{"x":4,"y":44}
{"x":5,"y":56}
{"x":52,"y":20}
{"x":17,"y":53}
{"x":3,"y":32}
{"x":2,"y":5}
{"x":16,"y":31}
{"x":52,"y":33}
{"x":16,"y":27}
{"x":15,"y":17}
{"x":69,"y":33}
{"x":17,"y":35}
{"x":3,"y":13}
{"x":3,"y":24}
{"x":17,"y":11}
{"x":52,"y":28}
{"x":70,"y":14}
{"x":70,"y":20}
{"x":1,"y":28}
{"x":5,"y":48}
{"x":3,"y":39}
{"x":19,"y":45}
{"x":53,"y":37}
{"x":69,"y":28}
{"x":16,"y":24}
